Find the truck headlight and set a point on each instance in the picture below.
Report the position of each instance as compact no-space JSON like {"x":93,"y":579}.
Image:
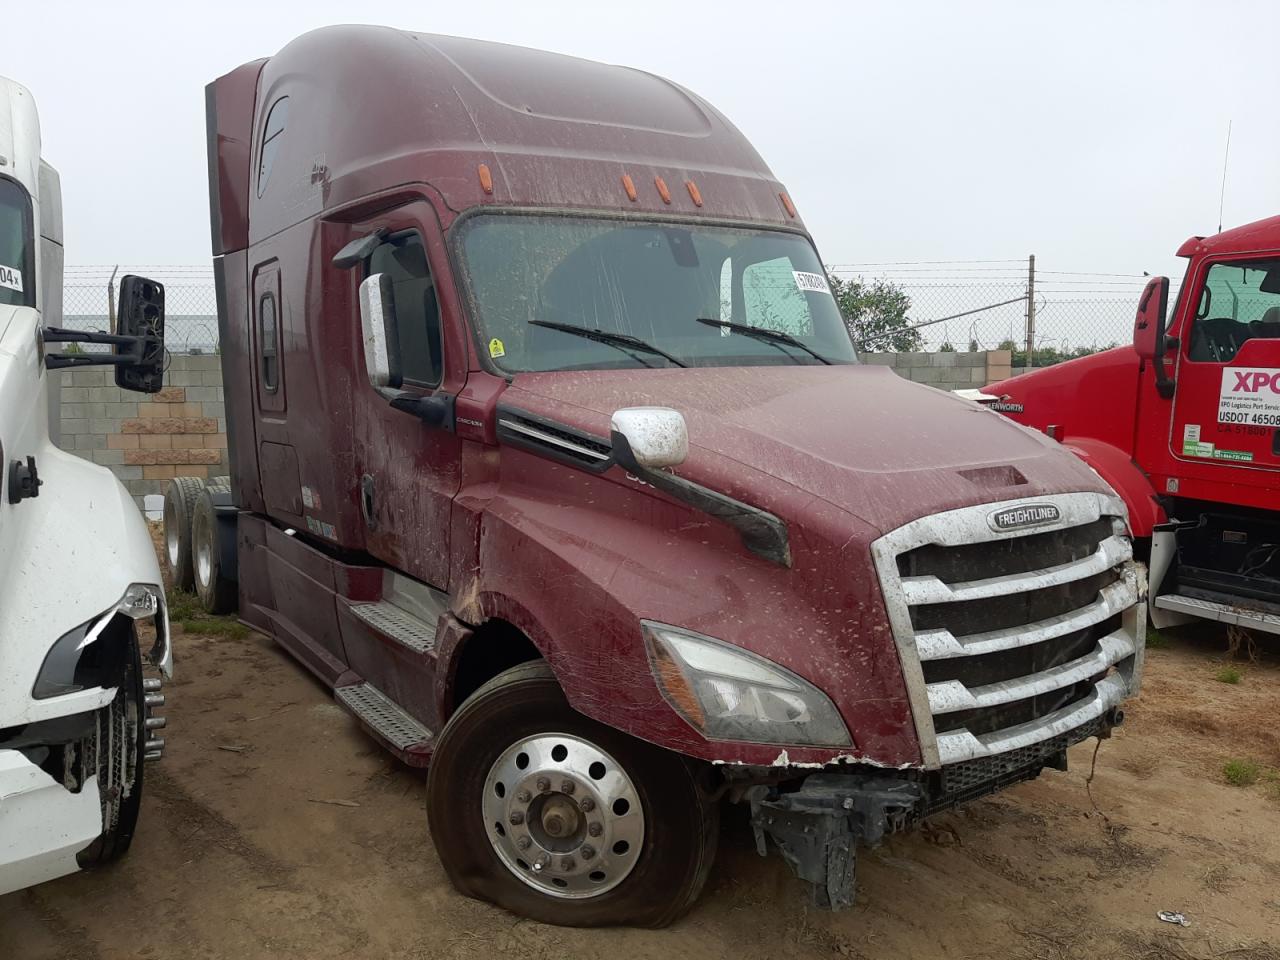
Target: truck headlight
{"x":83,"y":658}
{"x":727,"y":693}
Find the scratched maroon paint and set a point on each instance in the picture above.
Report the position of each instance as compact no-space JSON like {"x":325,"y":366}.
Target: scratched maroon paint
{"x":388,"y":129}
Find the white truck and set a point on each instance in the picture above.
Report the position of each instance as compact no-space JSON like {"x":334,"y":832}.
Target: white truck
{"x":83,"y":620}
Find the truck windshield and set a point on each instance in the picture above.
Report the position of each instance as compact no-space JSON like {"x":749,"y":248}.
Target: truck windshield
{"x":17,"y":285}
{"x":531,"y":277}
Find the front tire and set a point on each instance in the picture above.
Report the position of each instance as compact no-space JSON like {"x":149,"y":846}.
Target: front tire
{"x":558,"y":818}
{"x":119,"y":745}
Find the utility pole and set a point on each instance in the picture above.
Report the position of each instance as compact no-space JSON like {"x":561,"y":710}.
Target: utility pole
{"x":1031,"y":310}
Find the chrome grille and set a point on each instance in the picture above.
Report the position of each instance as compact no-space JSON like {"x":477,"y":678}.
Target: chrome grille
{"x":1010,"y":638}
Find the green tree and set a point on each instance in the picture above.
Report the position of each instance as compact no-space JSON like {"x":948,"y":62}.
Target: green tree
{"x":876,"y":314}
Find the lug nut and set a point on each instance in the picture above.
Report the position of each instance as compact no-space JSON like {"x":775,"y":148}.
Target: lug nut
{"x":516,"y":818}
{"x":587,"y":804}
{"x":587,"y":851}
{"x":567,"y":863}
{"x":595,"y":829}
{"x":524,"y":796}
{"x":523,"y":842}
{"x":153,"y":700}
{"x":566,"y":786}
{"x":151,"y":684}
{"x":153,"y":723}
{"x":543,"y":784}
{"x":541,"y":863}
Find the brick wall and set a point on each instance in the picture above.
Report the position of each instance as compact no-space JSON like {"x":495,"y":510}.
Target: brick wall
{"x":182,"y":431}
{"x":145,"y":439}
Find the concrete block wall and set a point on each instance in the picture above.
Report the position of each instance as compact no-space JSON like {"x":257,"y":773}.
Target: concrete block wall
{"x":146,"y":439}
{"x":949,"y":370}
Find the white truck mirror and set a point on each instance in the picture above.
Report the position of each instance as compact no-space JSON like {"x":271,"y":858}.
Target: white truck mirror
{"x":380,"y":333}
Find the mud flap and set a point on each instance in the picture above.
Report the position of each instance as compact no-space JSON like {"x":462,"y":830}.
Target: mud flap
{"x":818,"y":827}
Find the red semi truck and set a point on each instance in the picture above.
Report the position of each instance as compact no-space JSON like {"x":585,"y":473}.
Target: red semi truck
{"x":1185,"y":425}
{"x":551,"y":455}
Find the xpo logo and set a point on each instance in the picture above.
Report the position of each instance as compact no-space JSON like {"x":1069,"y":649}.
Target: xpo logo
{"x":1255,"y":381}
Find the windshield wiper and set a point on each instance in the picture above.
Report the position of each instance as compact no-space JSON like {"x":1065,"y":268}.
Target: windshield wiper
{"x":621,"y":340}
{"x":760,"y":333}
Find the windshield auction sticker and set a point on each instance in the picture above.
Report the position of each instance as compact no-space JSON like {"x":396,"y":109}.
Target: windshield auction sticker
{"x":1250,"y":395}
{"x":811,"y":282}
{"x":10,"y":278}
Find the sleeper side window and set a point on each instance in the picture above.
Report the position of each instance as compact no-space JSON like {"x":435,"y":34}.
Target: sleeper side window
{"x":269,"y":343}
{"x":404,"y":258}
{"x":272,"y":136}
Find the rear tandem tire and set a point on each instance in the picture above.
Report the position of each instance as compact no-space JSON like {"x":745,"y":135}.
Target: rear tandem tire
{"x":179,"y":507}
{"x":525,"y":706}
{"x":218,"y":594}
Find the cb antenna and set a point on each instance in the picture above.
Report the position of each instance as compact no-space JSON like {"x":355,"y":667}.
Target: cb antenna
{"x":1223,"y":195}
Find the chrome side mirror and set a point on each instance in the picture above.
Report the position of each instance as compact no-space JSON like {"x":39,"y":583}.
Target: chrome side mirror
{"x":379,"y":333}
{"x":658,"y":436}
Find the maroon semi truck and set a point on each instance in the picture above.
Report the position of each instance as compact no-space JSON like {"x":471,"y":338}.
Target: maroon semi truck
{"x":551,"y":455}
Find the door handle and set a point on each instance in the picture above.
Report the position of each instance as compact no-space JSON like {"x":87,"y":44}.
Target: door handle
{"x":366,"y":501}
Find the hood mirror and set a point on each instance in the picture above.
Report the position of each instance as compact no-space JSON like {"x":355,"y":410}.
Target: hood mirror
{"x":655,"y":437}
{"x":379,"y":333}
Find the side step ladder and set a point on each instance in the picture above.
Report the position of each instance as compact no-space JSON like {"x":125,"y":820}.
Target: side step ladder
{"x":407,"y":738}
{"x":1222,"y":612}
{"x":399,"y":624}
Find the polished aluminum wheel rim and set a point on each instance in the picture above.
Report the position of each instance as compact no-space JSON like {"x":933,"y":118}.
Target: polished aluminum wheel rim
{"x":172,"y":546}
{"x":563,"y":816}
{"x":203,"y":550}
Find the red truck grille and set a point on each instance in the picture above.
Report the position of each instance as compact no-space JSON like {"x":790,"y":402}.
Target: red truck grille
{"x":1011,"y":637}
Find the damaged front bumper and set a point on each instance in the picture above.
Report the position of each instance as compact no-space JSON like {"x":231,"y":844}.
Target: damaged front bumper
{"x":818,"y":827}
{"x":43,"y":825}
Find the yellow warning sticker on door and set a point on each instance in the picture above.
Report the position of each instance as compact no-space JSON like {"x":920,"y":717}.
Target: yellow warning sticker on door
{"x":496,"y":349}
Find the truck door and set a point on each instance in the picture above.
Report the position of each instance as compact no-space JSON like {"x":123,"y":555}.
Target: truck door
{"x":1227,"y":405}
{"x":406,"y":472}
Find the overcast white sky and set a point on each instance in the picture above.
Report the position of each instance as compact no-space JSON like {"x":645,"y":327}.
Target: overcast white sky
{"x":1091,"y":134}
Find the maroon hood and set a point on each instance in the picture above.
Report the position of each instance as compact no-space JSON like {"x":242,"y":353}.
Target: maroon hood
{"x":882,"y":448}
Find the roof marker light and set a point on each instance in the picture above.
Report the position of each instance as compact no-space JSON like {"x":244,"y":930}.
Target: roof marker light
{"x":629,"y":185}
{"x":693,"y":193}
{"x":663,"y":192}
{"x":486,"y":178}
{"x":787,"y":204}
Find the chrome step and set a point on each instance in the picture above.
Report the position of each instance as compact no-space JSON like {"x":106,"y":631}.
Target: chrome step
{"x":398,"y":623}
{"x":1222,"y":612}
{"x":377,"y":710}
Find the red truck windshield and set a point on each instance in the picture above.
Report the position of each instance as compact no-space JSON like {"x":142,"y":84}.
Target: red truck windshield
{"x":651,"y":281}
{"x":17,"y":286}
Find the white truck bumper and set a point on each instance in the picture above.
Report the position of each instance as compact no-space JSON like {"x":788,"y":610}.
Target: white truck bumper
{"x":42,"y":824}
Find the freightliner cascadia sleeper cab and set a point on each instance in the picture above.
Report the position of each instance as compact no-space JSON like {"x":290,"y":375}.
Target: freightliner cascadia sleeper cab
{"x":552,"y":456}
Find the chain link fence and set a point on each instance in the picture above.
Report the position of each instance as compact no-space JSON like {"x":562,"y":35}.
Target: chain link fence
{"x":191,"y":306}
{"x":951,"y":305}
{"x":982,"y":305}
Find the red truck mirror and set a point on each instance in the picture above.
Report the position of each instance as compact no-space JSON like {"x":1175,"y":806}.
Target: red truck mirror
{"x":1149,"y":340}
{"x":380,"y":333}
{"x":1148,"y":325}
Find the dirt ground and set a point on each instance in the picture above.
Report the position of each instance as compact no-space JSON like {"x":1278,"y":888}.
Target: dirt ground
{"x":274,"y":828}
